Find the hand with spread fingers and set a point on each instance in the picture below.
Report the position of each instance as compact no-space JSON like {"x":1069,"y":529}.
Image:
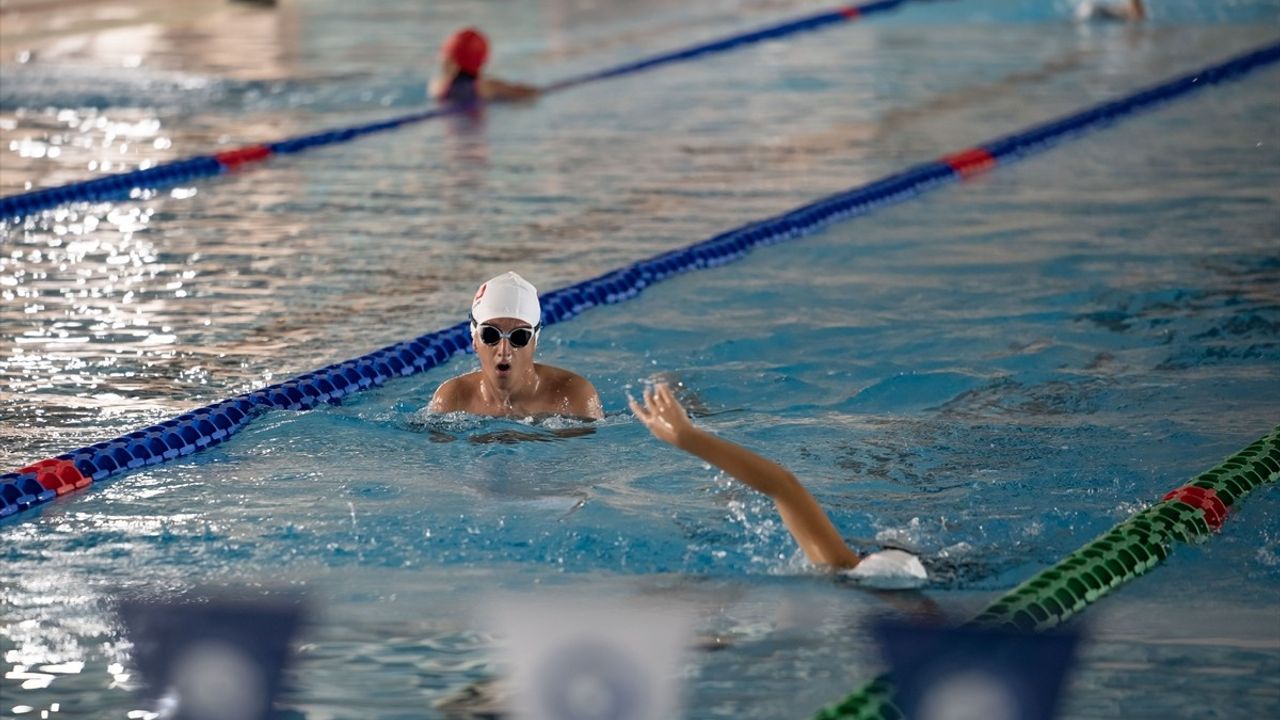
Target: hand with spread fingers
{"x":663,"y":415}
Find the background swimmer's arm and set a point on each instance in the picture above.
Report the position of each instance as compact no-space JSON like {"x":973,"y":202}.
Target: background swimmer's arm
{"x":802,"y":515}
{"x":494,"y":89}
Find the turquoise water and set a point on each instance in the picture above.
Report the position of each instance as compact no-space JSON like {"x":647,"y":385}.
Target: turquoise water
{"x":991,"y":374}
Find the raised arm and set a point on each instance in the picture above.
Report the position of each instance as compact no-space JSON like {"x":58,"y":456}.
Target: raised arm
{"x":802,"y":515}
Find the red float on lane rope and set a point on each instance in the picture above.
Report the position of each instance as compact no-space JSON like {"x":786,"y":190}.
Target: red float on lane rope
{"x":61,"y":476}
{"x":970,"y":162}
{"x":1204,"y":499}
{"x":234,"y":158}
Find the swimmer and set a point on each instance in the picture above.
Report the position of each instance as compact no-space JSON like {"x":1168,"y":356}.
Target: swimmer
{"x":1126,"y":11}
{"x":802,"y":515}
{"x":506,"y":319}
{"x":458,"y":80}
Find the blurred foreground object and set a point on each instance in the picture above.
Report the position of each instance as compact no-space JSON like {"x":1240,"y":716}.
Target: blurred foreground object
{"x":965,"y":673}
{"x":211,"y":659}
{"x":573,"y":659}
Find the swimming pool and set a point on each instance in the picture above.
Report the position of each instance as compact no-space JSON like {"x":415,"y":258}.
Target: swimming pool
{"x":993,"y":373}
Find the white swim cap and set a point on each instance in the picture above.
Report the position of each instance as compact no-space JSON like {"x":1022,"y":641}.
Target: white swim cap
{"x":507,"y":296}
{"x":890,"y":569}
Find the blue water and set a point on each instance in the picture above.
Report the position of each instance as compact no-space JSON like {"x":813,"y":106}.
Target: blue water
{"x":992,"y":374}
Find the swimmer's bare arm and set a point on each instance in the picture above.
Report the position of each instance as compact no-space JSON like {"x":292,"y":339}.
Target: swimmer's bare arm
{"x":495,"y":89}
{"x":803,"y":516}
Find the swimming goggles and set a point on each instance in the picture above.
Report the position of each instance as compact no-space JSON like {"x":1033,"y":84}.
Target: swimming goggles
{"x":518,"y":337}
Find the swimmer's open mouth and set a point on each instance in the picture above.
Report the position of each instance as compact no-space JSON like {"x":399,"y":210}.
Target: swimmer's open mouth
{"x":503,"y":367}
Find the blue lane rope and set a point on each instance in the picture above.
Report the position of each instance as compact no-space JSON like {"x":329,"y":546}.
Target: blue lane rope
{"x":790,"y":27}
{"x":123,"y":185}
{"x":211,"y":425}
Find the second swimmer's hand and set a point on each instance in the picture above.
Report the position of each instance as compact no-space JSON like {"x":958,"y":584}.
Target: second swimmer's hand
{"x":663,"y":415}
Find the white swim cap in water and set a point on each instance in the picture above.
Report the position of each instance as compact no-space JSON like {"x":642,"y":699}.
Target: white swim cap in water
{"x":507,"y":296}
{"x":889,"y":570}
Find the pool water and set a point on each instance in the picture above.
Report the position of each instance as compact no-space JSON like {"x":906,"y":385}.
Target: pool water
{"x":990,"y":374}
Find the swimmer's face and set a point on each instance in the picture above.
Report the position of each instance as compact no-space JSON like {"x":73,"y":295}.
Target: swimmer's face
{"x":504,"y":364}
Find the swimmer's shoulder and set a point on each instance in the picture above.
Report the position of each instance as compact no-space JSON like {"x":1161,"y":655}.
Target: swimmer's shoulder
{"x":579,"y":394}
{"x":455,"y":393}
{"x":559,"y":378}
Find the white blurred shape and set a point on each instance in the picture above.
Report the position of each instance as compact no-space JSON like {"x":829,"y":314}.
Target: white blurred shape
{"x":968,"y":696}
{"x":571,"y":659}
{"x":215,"y":680}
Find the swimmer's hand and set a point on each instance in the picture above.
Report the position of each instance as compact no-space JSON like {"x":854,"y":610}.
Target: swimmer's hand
{"x":663,"y":415}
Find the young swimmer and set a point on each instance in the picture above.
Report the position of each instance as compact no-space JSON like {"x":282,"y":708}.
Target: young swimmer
{"x":803,"y":516}
{"x":458,"y":80}
{"x":505,"y":321}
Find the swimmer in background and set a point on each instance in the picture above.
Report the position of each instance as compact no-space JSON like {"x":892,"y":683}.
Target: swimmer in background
{"x":801,"y":513}
{"x":506,"y":319}
{"x":1125,"y":10}
{"x":458,"y":80}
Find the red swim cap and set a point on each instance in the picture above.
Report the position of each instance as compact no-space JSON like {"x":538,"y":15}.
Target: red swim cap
{"x":468,"y":48}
